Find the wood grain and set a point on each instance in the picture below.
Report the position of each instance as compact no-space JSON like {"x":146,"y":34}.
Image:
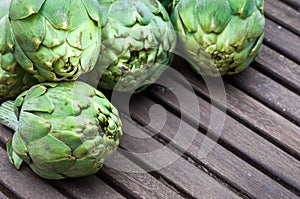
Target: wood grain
{"x":242,"y":139}
{"x":2,"y":196}
{"x":252,"y":113}
{"x":293,"y":3}
{"x":87,"y":187}
{"x":255,"y":115}
{"x":279,"y":67}
{"x":181,"y":173}
{"x":133,"y":180}
{"x":282,"y":40}
{"x":233,"y":170}
{"x":283,"y":14}
{"x":266,"y":91}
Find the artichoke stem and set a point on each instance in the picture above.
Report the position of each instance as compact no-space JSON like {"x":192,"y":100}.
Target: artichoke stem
{"x":7,"y":115}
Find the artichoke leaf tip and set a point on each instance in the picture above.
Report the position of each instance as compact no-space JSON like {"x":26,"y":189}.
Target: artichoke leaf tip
{"x":12,"y":156}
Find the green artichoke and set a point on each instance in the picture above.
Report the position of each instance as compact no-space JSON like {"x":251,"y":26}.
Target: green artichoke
{"x":137,"y":43}
{"x":65,"y":129}
{"x":56,"y":40}
{"x":13,"y":79}
{"x":219,"y":36}
{"x":168,"y":4}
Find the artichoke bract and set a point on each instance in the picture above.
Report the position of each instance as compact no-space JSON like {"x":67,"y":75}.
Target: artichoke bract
{"x":219,"y":36}
{"x":56,"y":40}
{"x":168,"y":4}
{"x":65,"y":129}
{"x":137,"y":43}
{"x":13,"y":78}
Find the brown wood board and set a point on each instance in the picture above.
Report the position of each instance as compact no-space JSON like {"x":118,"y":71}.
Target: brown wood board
{"x":283,"y":14}
{"x":182,"y":173}
{"x":2,"y":196}
{"x":266,"y":91}
{"x":219,"y":160}
{"x":279,"y":68}
{"x":281,"y":39}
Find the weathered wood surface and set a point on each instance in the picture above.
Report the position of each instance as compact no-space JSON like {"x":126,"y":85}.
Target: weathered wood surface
{"x":282,"y":40}
{"x":220,"y":160}
{"x":283,"y":14}
{"x":181,"y":173}
{"x":2,"y":196}
{"x":255,"y":115}
{"x":279,"y":68}
{"x":257,"y":154}
{"x":266,"y":91}
{"x":87,"y":187}
{"x":293,"y":3}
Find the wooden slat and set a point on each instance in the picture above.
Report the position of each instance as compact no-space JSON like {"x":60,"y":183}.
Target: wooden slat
{"x":287,"y":103}
{"x":87,"y":187}
{"x":236,"y":171}
{"x":293,"y":3}
{"x":243,"y":140}
{"x":2,"y":196}
{"x":181,"y":173}
{"x":5,"y":135}
{"x":279,"y":67}
{"x":268,"y":123}
{"x":133,"y":180}
{"x":282,"y":40}
{"x":139,"y":184}
{"x":283,"y":14}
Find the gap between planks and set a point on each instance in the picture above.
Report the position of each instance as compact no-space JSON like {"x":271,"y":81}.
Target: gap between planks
{"x":282,"y":40}
{"x":214,"y":156}
{"x":287,"y":179}
{"x":293,"y":3}
{"x":139,"y":111}
{"x":284,"y":15}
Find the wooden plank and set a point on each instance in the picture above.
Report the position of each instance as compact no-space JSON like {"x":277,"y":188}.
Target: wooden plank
{"x":283,"y":14}
{"x":87,"y":187}
{"x":192,"y":180}
{"x":5,"y":135}
{"x":255,"y":115}
{"x":282,"y":40}
{"x":279,"y":68}
{"x":293,"y":3}
{"x":234,"y":170}
{"x":125,"y":174}
{"x":2,"y":196}
{"x":243,"y":140}
{"x":269,"y":92}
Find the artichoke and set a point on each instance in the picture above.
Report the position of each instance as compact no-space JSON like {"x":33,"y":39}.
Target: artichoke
{"x":168,"y":4}
{"x":56,"y":40}
{"x":65,"y":129}
{"x":137,"y":43}
{"x":219,"y":36}
{"x":13,"y":79}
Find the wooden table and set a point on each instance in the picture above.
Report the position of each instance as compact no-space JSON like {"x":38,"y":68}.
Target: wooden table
{"x":257,"y":154}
